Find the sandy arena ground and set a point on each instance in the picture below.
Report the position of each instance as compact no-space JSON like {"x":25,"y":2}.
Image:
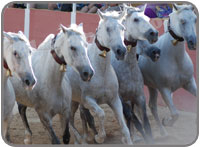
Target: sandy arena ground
{"x":183,"y":132}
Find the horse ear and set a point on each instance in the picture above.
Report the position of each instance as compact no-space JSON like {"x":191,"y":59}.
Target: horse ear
{"x":63,"y":28}
{"x":80,"y":26}
{"x":176,"y":7}
{"x":8,"y":36}
{"x":121,"y":15}
{"x":20,"y":32}
{"x":100,"y":14}
{"x":143,"y":8}
{"x":125,"y":6}
{"x":191,"y":7}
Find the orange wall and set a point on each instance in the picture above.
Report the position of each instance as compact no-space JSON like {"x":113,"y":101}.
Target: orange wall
{"x":44,"y":22}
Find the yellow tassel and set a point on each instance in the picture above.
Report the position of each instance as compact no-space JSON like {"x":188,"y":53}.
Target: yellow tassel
{"x":129,"y":48}
{"x":174,"y":42}
{"x":8,"y":73}
{"x":103,"y":54}
{"x":63,"y":68}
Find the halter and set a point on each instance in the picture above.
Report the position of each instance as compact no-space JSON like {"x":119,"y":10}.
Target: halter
{"x":176,"y":38}
{"x":8,"y":71}
{"x":59,"y":60}
{"x":131,"y":44}
{"x":100,"y":47}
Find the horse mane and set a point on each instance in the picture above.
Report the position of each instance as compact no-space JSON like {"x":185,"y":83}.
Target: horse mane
{"x":112,"y":14}
{"x":19,"y":36}
{"x":184,"y":7}
{"x":46,"y":44}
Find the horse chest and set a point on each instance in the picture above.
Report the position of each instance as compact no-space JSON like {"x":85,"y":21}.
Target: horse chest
{"x":102,"y":87}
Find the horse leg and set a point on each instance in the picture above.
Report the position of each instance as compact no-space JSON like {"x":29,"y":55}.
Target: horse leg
{"x":141,"y":103}
{"x":90,"y":120}
{"x":74,"y":107}
{"x":65,"y":118}
{"x":116,"y":106}
{"x":6,"y":125}
{"x":84,"y":124}
{"x":46,"y":120}
{"x":191,"y":87}
{"x":132,"y":121}
{"x":28,"y":132}
{"x":91,"y":104}
{"x":153,"y":107}
{"x":139,"y":127}
{"x":167,"y":96}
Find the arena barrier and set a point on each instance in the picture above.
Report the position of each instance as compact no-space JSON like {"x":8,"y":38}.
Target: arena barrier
{"x":44,"y":22}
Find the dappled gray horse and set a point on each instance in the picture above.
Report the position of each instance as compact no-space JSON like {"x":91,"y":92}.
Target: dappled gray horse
{"x":103,"y":87}
{"x":16,"y":62}
{"x":52,"y":94}
{"x":128,"y":73}
{"x":174,"y":69}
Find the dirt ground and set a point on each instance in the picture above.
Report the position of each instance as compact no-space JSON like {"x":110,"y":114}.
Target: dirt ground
{"x":183,"y":132}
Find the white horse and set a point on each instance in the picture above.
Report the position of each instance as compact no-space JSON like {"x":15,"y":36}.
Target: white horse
{"x":16,"y":62}
{"x":174,"y":69}
{"x":52,"y":95}
{"x":128,"y":73}
{"x":103,"y":87}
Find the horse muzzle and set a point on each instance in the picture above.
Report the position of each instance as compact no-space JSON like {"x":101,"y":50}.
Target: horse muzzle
{"x":151,"y":35}
{"x":120,"y":52}
{"x":191,"y":42}
{"x":86,"y":73}
{"x":28,"y":81}
{"x":154,"y":53}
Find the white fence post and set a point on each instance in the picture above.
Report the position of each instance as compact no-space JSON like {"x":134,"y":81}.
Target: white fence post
{"x":73,"y":14}
{"x":27,"y":20}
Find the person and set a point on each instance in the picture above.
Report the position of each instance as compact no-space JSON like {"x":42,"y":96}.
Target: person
{"x":89,"y":8}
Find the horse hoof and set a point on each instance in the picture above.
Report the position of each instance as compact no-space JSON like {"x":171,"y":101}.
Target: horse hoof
{"x":90,"y":138}
{"x":127,"y":141}
{"x":27,"y":141}
{"x":56,"y":141}
{"x":99,"y":139}
{"x":163,"y":132}
{"x":169,"y":121}
{"x":136,"y":139}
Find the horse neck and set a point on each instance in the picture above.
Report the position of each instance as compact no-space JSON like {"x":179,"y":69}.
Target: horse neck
{"x":53,"y":73}
{"x":102,"y":63}
{"x":48,"y":67}
{"x":131,"y":57}
{"x":178,"y":51}
{"x":5,"y":77}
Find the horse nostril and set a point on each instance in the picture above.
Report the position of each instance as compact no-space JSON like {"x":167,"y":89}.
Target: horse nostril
{"x":152,"y":33}
{"x":27,"y":82}
{"x":191,"y":42}
{"x":119,"y":52}
{"x":85,"y":74}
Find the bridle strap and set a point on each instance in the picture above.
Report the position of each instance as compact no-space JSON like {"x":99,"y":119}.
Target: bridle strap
{"x":102,"y":48}
{"x":59,"y":60}
{"x":178,"y":38}
{"x":5,"y":65}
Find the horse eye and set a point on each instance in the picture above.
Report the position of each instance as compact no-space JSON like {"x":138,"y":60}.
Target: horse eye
{"x":73,"y":48}
{"x":136,"y":19}
{"x":108,"y":29}
{"x":182,"y":21}
{"x":16,"y":54}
